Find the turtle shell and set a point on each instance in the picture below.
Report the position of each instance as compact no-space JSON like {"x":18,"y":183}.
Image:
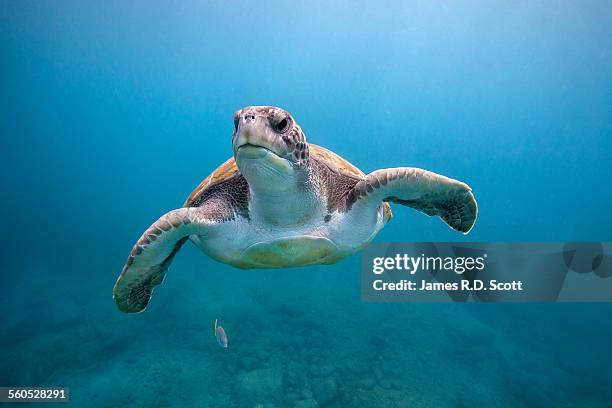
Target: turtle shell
{"x":335,"y":163}
{"x":224,"y":172}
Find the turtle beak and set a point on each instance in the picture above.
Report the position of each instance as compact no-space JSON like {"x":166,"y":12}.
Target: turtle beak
{"x":253,"y":133}
{"x":249,"y":151}
{"x":249,"y":127}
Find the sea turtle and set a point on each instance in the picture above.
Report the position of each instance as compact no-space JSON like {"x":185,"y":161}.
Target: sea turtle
{"x":282,"y":202}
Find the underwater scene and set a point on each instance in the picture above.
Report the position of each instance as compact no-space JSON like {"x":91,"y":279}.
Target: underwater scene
{"x":114,"y":112}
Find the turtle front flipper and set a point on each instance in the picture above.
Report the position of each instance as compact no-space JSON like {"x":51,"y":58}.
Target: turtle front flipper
{"x":152,"y":255}
{"x":423,"y":190}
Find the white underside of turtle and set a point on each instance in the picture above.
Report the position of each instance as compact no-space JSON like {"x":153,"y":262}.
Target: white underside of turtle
{"x":282,"y":202}
{"x":259,"y":246}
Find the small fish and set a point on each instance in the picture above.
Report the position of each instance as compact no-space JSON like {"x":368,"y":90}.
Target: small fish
{"x":220,"y":335}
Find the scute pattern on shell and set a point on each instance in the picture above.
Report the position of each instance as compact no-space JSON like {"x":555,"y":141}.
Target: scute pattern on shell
{"x":335,"y":162}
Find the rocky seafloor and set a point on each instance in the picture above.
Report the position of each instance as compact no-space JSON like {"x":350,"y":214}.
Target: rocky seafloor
{"x":300,"y":339}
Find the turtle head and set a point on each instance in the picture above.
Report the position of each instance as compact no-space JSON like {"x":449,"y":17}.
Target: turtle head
{"x":270,"y":148}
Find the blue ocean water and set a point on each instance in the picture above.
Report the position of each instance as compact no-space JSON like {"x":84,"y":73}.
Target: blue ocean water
{"x":112,"y":112}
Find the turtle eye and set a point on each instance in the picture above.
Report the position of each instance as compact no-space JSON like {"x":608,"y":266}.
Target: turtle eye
{"x":281,"y":126}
